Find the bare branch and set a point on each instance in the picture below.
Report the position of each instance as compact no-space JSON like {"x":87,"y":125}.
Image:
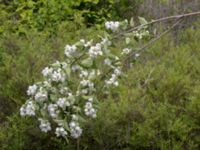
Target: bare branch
{"x":154,"y":39}
{"x":159,"y":20}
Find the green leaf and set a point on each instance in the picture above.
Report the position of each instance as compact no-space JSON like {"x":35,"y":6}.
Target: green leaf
{"x":142,"y":20}
{"x":128,"y":40}
{"x":88,"y":62}
{"x":91,"y":1}
{"x":132,"y":22}
{"x":87,"y":97}
{"x":68,"y":70}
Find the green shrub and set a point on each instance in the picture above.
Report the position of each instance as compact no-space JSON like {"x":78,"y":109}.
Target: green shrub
{"x":155,"y":107}
{"x":19,"y":16}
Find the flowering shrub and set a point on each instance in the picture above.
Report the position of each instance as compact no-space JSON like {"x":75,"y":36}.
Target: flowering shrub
{"x":68,"y":94}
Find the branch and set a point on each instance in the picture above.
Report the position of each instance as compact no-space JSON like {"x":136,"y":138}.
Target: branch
{"x":145,"y":46}
{"x":155,"y":39}
{"x":149,"y":23}
{"x":160,"y":20}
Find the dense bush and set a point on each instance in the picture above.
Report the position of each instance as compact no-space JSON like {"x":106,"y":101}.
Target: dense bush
{"x":156,"y":106}
{"x":47,"y":15}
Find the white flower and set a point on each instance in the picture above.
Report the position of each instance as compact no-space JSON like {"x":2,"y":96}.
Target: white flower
{"x":84,"y":73}
{"x":75,"y":130}
{"x":53,"y":110}
{"x":84,"y":82}
{"x":72,"y":124}
{"x":107,"y":61}
{"x":117,"y":71}
{"x":87,"y":83}
{"x":89,"y":110}
{"x":74,"y":117}
{"x":88,"y":105}
{"x":63,"y":103}
{"x":82,"y":41}
{"x":32,"y":90}
{"x":94,"y":51}
{"x":45,"y":126}
{"x":116,"y":83}
{"x":28,"y":109}
{"x":47,"y":71}
{"x":69,"y":50}
{"x":41,"y":95}
{"x":126,"y":51}
{"x":90,"y":99}
{"x":84,"y":91}
{"x":23,"y":111}
{"x":60,"y":131}
{"x":112,"y":80}
{"x":112,"y":25}
{"x":137,"y":55}
{"x":58,"y":75}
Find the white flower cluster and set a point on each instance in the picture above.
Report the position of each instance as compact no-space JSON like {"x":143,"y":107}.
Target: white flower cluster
{"x":41,"y":94}
{"x":112,"y":25}
{"x":114,"y":77}
{"x":31,"y":90}
{"x":28,"y":109}
{"x":63,"y":103}
{"x":70,"y":50}
{"x":54,"y":74}
{"x":108,"y":62}
{"x":69,"y":93}
{"x":55,"y":100}
{"x":140,"y":34}
{"x":45,"y":126}
{"x":126,"y":51}
{"x":96,"y":50}
{"x":87,"y":83}
{"x":75,"y":129}
{"x":89,"y":110}
{"x":60,"y":131}
{"x":53,"y":110}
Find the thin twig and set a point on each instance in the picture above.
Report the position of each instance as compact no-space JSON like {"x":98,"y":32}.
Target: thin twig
{"x":154,"y":39}
{"x":158,"y":20}
{"x":78,"y":58}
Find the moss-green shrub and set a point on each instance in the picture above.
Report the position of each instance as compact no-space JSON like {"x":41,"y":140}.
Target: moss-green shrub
{"x":19,"y":16}
{"x":155,"y":107}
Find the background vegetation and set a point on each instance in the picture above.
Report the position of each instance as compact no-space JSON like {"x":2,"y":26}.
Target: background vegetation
{"x":155,"y":107}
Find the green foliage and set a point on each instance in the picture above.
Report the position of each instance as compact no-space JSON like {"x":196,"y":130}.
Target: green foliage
{"x":19,"y":16}
{"x":23,"y":58}
{"x":156,"y":106}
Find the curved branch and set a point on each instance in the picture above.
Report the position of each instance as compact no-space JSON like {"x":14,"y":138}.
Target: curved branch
{"x":154,"y":39}
{"x":159,"y":20}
